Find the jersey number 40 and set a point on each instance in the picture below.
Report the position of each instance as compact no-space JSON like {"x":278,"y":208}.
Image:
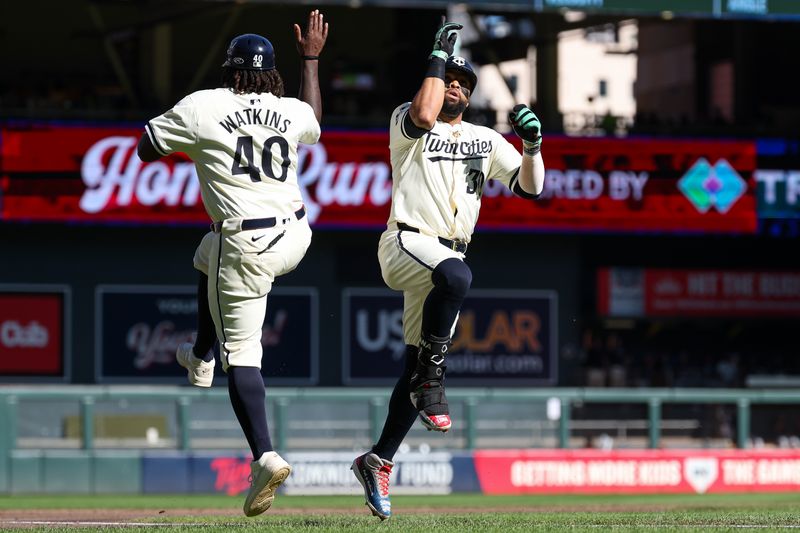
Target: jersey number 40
{"x":244,"y":146}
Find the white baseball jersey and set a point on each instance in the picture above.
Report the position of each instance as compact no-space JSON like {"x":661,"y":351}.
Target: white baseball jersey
{"x":244,"y":147}
{"x":438,"y":179}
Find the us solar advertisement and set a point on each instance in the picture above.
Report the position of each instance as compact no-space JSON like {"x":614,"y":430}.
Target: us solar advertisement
{"x":502,"y":338}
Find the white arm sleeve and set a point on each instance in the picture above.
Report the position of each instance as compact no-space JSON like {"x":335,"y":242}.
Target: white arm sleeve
{"x":505,"y":162}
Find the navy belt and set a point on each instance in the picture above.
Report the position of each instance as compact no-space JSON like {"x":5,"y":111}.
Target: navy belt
{"x":455,"y":245}
{"x":259,"y":223}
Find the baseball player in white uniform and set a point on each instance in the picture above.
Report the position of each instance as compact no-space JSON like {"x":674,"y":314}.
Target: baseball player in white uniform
{"x":440,"y":165}
{"x":243,"y":140}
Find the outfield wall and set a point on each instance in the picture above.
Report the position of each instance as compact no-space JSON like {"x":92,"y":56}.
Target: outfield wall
{"x":62,"y":440}
{"x":486,"y":471}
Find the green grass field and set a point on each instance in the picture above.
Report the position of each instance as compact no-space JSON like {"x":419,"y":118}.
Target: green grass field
{"x":442,"y":514}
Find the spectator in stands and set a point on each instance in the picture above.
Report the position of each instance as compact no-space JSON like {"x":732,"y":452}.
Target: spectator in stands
{"x":728,"y":370}
{"x":596,"y":362}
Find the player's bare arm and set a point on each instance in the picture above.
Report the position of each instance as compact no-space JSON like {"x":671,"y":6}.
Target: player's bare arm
{"x":146,"y":151}
{"x":427,"y":103}
{"x":309,"y":45}
{"x":526,"y":125}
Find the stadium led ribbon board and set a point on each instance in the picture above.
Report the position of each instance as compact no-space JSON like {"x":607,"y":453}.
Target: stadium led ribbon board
{"x":783,"y":9}
{"x":89,"y":174}
{"x":691,"y":8}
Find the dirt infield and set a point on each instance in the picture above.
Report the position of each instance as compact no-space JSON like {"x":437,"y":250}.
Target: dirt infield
{"x":66,"y":516}
{"x":110,"y":515}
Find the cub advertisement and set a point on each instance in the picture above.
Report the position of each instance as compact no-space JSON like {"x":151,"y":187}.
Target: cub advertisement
{"x":34,"y":331}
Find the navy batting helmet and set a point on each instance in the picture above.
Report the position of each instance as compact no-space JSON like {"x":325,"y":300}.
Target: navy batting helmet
{"x":250,"y":52}
{"x":462,"y":65}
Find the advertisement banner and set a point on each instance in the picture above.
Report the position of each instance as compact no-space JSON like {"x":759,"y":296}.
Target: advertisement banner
{"x":636,"y":471}
{"x":502,"y":338}
{"x":34,"y":331}
{"x":92,"y":174}
{"x":329,"y":473}
{"x":524,"y":471}
{"x":664,"y":292}
{"x":312,"y":473}
{"x":778,"y":179}
{"x":140,"y":327}
{"x":646,"y":185}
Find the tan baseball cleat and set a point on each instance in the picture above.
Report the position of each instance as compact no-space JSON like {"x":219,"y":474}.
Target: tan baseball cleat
{"x":266,"y":475}
{"x":200,"y":373}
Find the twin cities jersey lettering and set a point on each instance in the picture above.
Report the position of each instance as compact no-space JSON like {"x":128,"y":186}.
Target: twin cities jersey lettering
{"x":438,"y":179}
{"x":244,"y":147}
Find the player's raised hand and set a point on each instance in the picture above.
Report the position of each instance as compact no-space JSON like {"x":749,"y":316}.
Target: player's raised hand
{"x":445,"y":40}
{"x":526,"y":125}
{"x":311,"y":41}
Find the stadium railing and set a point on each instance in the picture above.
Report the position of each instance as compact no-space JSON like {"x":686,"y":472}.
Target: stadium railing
{"x":468,"y":401}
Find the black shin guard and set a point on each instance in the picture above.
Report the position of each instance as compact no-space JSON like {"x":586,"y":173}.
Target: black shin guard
{"x":426,"y":384}
{"x":432,"y":349}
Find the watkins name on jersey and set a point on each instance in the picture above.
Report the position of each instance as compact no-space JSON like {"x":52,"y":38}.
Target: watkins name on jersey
{"x":271,"y":119}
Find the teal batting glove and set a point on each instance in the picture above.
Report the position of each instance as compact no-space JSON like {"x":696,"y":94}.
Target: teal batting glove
{"x":526,"y":125}
{"x":445,"y":40}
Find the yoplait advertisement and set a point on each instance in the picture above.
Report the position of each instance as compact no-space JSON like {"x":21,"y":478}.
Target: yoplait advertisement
{"x":139,"y":328}
{"x":56,"y":172}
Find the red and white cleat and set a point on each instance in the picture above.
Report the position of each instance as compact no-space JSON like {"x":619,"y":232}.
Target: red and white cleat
{"x":435,"y":422}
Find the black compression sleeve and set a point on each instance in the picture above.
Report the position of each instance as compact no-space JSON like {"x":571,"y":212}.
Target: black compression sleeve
{"x":411,"y":130}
